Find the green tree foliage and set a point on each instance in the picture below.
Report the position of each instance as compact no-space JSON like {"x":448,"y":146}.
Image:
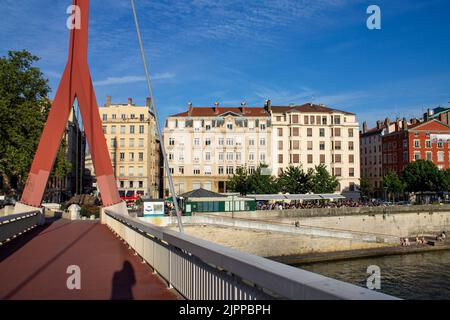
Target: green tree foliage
{"x":294,"y":180}
{"x":24,"y":107}
{"x":393,"y":184}
{"x":262,"y":183}
{"x":239,"y":182}
{"x":365,"y":188}
{"x":422,"y":175}
{"x":322,"y":181}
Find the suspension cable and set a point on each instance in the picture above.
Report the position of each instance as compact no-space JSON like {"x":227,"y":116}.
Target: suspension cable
{"x":158,"y":128}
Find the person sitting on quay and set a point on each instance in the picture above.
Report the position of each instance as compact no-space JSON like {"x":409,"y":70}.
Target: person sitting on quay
{"x":407,"y":243}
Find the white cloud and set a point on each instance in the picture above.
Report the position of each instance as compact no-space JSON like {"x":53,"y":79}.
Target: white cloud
{"x":131,"y":79}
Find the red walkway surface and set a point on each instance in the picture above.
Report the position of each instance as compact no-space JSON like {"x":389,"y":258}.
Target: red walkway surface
{"x":34,"y":266}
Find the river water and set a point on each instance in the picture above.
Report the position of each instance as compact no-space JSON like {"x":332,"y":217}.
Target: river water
{"x":422,"y":276}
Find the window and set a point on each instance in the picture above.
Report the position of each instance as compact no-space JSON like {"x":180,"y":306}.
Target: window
{"x":337,"y":145}
{"x":230,"y":170}
{"x":306,"y":120}
{"x":280,"y":158}
{"x":440,"y":144}
{"x":322,"y":158}
{"x":416,"y":156}
{"x":221,"y":141}
{"x":324,"y":120}
{"x":122,"y":156}
{"x":280,"y":145}
{"x":131,"y":156}
{"x":122,"y":142}
{"x":208,"y":156}
{"x":171,"y":141}
{"x":311,"y":119}
{"x":351,"y":172}
{"x":440,"y":156}
{"x":310,"y":158}
{"x":296,"y":145}
{"x":238,"y":156}
{"x":310,"y":145}
{"x":104,"y":129}
{"x":113,"y":143}
{"x":208,"y":141}
{"x":196,"y":170}
{"x":220,"y":156}
{"x":208,"y":170}
{"x":141,"y":184}
{"x":114,"y":117}
{"x":350,"y":133}
{"x":229,"y":141}
{"x":196,"y":141}
{"x":262,"y":142}
{"x":131,"y":171}
{"x":140,"y":172}
{"x":322,"y":145}
{"x":220,"y":170}
{"x":122,"y":184}
{"x":337,"y":172}
{"x":141,"y":129}
{"x":123,"y":117}
{"x":208,"y":127}
{"x":295,"y":118}
{"x":251,"y":142}
{"x":113,"y":129}
{"x":141,"y":117}
{"x":131,"y":129}
{"x":131,"y":142}
{"x":262,"y":157}
{"x":295,"y":132}
{"x":295,"y":158}
{"x":351,"y":158}
{"x":262,"y":126}
{"x":351,"y":146}
{"x":428,"y":144}
{"x":133,"y":116}
{"x":141,"y":156}
{"x":416,"y":143}
{"x":337,"y":132}
{"x":309,"y":132}
{"x":280,"y":132}
{"x":121,"y":171}
{"x":105,"y":117}
{"x":337,"y":119}
{"x":322,"y":132}
{"x":229,"y":126}
{"x":171,"y":156}
{"x":141,"y":143}
{"x":229,"y":156}
{"x":251,"y":157}
{"x":337,"y":158}
{"x":122,"y":129}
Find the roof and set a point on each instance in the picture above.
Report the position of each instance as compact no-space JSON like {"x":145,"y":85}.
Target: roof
{"x":202,"y":193}
{"x":211,"y":112}
{"x":419,"y":125}
{"x":308,"y":107}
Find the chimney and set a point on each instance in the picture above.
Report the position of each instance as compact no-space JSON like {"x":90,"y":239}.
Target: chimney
{"x":243,"y":106}
{"x":364,"y":128}
{"x":130,"y":101}
{"x":404,"y":124}
{"x":148,"y":102}
{"x":190,"y":109}
{"x":378,"y":124}
{"x":216,"y":107}
{"x":387,"y":122}
{"x":413,"y":121}
{"x":108,"y":101}
{"x":442,"y":117}
{"x":268,"y":105}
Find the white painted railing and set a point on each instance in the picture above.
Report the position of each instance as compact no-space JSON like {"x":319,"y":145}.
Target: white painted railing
{"x":199,"y":269}
{"x":14,"y":225}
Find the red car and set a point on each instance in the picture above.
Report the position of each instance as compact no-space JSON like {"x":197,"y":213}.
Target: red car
{"x":130,"y":196}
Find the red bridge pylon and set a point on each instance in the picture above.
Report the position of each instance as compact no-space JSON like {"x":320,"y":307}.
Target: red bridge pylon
{"x":76,"y":83}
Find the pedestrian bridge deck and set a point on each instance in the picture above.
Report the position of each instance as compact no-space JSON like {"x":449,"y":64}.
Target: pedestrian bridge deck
{"x":34,"y":265}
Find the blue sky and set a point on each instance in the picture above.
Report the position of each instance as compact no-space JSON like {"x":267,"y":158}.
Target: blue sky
{"x":289,"y":51}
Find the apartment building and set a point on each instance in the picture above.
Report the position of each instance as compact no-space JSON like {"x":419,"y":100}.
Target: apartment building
{"x":372,"y":153}
{"x":205,"y":145}
{"x":133,"y":146}
{"x":310,"y":135}
{"x":427,"y":140}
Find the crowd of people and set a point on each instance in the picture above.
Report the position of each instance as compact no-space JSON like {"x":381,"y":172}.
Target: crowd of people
{"x":315,"y":204}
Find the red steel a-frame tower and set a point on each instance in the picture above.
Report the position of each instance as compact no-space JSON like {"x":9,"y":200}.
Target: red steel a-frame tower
{"x":76,"y":83}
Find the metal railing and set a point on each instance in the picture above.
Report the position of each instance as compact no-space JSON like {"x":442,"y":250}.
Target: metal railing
{"x":200,"y":269}
{"x":14,"y":225}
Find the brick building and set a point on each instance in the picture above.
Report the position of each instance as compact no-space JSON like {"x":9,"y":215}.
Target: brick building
{"x":418,"y":140}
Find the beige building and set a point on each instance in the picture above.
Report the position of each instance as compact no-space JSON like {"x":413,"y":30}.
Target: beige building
{"x":206,"y":145}
{"x":310,"y":135}
{"x":133,"y":146}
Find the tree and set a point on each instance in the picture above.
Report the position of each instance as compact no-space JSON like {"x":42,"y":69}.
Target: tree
{"x":262,"y":183}
{"x":422,"y":175}
{"x":24,"y":108}
{"x":294,"y":180}
{"x":365,"y":188}
{"x":322,"y":181}
{"x":393,"y":184}
{"x":239,"y":182}
{"x":446,"y":180}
